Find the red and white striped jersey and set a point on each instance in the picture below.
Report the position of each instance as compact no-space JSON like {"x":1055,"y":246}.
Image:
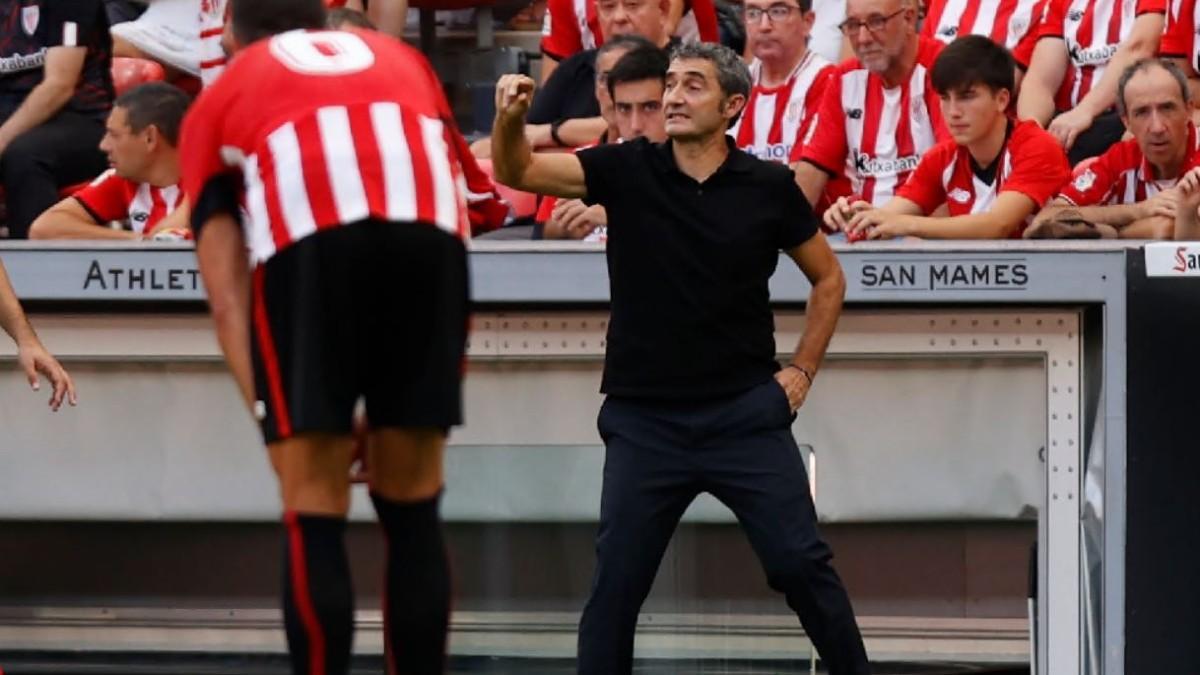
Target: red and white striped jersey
{"x":1182,"y":36}
{"x":1006,"y":22}
{"x":1032,"y":163}
{"x":1122,"y":176}
{"x":1092,"y":31}
{"x":212,"y":24}
{"x":776,"y":119}
{"x":874,"y":135}
{"x":571,"y":26}
{"x":111,"y":198}
{"x":323,"y":137}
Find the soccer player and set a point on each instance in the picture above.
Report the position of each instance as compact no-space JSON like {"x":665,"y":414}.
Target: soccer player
{"x":992,"y":175}
{"x":358,"y":289}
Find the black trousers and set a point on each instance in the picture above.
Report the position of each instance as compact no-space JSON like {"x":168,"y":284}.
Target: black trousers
{"x":659,"y":457}
{"x":61,"y":151}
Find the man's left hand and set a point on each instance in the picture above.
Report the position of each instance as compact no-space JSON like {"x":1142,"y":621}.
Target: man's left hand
{"x":795,"y":384}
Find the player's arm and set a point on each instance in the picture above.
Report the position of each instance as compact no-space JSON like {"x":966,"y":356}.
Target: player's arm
{"x":513,"y":161}
{"x":31,"y":355}
{"x":221,"y":257}
{"x":63,"y":67}
{"x":819,"y":264}
{"x":68,"y":219}
{"x":1142,"y":43}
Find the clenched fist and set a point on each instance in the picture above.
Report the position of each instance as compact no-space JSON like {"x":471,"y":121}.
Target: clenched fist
{"x":513,"y":96}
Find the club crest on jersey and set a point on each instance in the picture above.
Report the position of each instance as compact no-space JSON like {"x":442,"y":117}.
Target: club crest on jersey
{"x":30,"y":16}
{"x":1085,"y":181}
{"x":1018,"y":25}
{"x":959,"y":195}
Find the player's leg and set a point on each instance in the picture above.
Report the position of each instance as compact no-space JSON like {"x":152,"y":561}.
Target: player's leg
{"x":411,"y":365}
{"x":318,"y":596}
{"x":406,"y":486}
{"x":306,"y":398}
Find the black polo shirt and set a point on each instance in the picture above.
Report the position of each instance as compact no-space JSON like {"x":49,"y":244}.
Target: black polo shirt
{"x":30,"y":27}
{"x":688,"y":268}
{"x":570,"y":93}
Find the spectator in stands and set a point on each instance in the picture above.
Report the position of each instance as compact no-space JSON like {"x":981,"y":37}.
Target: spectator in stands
{"x":167,"y":32}
{"x":789,"y":78}
{"x":1083,"y":47}
{"x":879,"y":113}
{"x":1130,"y":191}
{"x":567,"y":32}
{"x":992,"y":176}
{"x":55,"y":93}
{"x":574,"y":133}
{"x":634,"y":85}
{"x":565,"y":113}
{"x":140,"y":189}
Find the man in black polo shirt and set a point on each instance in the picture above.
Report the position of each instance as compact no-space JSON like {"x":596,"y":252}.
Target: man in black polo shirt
{"x":55,"y":93}
{"x":696,"y":400}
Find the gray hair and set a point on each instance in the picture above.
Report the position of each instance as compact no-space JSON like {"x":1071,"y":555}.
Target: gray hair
{"x":1146,"y":64}
{"x":732,"y":73}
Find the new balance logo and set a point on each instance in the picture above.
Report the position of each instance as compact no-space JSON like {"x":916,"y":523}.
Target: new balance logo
{"x":854,"y":113}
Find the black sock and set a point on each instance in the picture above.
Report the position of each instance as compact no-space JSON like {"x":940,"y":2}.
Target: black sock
{"x":416,"y":601}
{"x":318,"y":600}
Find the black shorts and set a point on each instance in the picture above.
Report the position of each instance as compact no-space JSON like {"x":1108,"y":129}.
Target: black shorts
{"x":376,"y":310}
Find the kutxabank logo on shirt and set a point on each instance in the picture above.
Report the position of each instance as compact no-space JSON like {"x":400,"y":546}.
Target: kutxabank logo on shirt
{"x":19,"y":62}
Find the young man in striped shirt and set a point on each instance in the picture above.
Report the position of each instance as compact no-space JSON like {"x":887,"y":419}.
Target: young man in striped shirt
{"x":140,"y":190}
{"x":879,"y":113}
{"x":355,"y":226}
{"x":992,"y":176}
{"x":1130,"y":191}
{"x":1083,"y":47}
{"x":789,"y":79}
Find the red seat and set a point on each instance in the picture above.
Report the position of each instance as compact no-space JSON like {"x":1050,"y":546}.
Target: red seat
{"x":128,"y":72}
{"x":524,"y":204}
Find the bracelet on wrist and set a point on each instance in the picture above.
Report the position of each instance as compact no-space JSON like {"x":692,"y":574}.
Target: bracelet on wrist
{"x":803,"y":371}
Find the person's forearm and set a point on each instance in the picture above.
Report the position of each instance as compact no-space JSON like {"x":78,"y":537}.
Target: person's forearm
{"x":221,"y":258}
{"x":1187,"y":226}
{"x":1036,"y":101}
{"x":821,"y":317}
{"x":1117,"y":215}
{"x":581,"y":131}
{"x":973,"y":226}
{"x":12,"y":317}
{"x":811,"y":180}
{"x":43,"y":102}
{"x":511,"y":154}
{"x":59,"y":226}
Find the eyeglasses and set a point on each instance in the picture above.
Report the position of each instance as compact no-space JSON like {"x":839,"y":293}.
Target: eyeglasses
{"x":874,"y":23}
{"x":775,"y":13}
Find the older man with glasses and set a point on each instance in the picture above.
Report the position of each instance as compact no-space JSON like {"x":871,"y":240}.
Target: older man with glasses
{"x":879,"y":113}
{"x":788,"y":79}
